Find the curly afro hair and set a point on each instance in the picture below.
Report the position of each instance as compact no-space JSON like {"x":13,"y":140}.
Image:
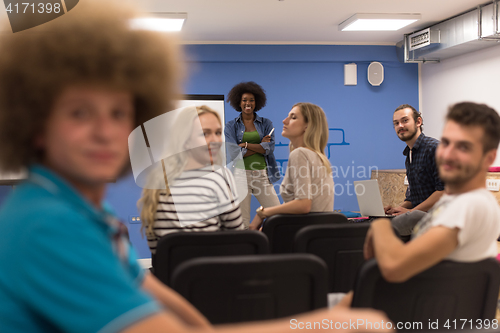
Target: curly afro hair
{"x":234,"y":96}
{"x":92,"y":45}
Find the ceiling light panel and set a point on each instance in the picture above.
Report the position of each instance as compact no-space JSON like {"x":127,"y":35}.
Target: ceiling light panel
{"x":378,"y":22}
{"x":165,"y":22}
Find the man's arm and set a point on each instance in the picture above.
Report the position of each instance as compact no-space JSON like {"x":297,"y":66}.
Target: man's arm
{"x":423,"y":206}
{"x":430,"y":201}
{"x":399,"y":261}
{"x":403,"y":208}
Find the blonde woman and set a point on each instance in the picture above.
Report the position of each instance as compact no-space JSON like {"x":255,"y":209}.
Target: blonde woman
{"x":200,"y":193}
{"x":308,"y":183}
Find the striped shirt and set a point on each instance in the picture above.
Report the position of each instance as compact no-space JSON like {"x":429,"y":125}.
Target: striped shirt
{"x":199,"y":200}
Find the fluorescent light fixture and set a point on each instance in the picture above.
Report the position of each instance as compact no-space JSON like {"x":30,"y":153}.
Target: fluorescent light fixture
{"x":378,"y":22}
{"x":165,"y":22}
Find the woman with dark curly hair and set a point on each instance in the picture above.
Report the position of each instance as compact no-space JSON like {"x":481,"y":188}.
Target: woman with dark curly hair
{"x":255,"y":137}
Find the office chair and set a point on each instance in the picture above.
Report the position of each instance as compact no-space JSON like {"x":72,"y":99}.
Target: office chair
{"x":340,"y":246}
{"x":281,"y":229}
{"x":446,"y":292}
{"x":246,"y":288}
{"x":177,"y":247}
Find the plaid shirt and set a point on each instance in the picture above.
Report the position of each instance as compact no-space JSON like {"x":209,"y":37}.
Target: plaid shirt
{"x":422,"y":173}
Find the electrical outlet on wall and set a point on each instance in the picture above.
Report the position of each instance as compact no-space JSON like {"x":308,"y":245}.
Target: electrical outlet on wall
{"x":493,"y":184}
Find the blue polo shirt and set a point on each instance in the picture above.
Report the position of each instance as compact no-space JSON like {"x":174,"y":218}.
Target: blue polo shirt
{"x":65,"y":266}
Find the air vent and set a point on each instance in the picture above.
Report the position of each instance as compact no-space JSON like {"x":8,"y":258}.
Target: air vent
{"x":471,"y":31}
{"x":423,"y":38}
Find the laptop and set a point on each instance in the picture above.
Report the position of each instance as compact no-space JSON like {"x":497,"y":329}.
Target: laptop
{"x":369,"y":199}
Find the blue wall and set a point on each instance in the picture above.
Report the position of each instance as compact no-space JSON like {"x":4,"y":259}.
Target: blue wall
{"x":298,"y":73}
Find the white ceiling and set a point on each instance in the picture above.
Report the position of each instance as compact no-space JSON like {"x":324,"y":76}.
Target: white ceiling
{"x":298,"y":21}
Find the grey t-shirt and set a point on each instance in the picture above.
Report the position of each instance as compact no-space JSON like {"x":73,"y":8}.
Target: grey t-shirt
{"x":307,"y":178}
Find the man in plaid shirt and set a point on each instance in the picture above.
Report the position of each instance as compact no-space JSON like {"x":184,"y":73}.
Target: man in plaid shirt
{"x":425,"y":187}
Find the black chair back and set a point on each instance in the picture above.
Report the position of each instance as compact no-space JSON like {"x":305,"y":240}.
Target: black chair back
{"x":446,"y":292}
{"x":340,"y":246}
{"x":246,"y":288}
{"x":281,"y":229}
{"x":175,"y":248}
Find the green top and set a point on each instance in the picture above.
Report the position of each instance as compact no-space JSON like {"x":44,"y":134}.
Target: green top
{"x":255,"y":161}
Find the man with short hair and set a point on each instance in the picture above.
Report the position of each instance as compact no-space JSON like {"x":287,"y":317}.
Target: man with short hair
{"x":465,"y":223}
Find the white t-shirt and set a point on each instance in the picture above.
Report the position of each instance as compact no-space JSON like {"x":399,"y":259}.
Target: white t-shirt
{"x":477,"y":216}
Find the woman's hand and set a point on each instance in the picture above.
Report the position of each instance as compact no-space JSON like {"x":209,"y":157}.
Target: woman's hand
{"x":256,"y":223}
{"x":243,"y":144}
{"x":267,"y":138}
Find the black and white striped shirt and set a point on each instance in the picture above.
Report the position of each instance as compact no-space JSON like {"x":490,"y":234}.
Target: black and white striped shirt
{"x":199,"y":200}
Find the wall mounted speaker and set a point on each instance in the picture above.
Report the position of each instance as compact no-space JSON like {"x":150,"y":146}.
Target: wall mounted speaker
{"x":350,"y":75}
{"x":375,"y":73}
